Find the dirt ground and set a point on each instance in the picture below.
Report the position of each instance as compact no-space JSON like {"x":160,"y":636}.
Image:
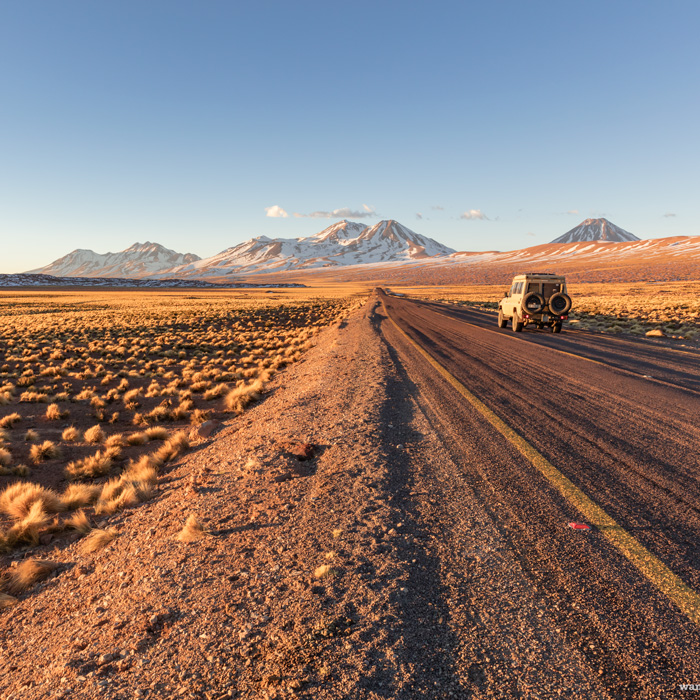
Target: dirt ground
{"x":314,"y":577}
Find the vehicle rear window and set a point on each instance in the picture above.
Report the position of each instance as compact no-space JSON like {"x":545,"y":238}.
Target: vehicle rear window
{"x":551,"y":288}
{"x":533,"y":287}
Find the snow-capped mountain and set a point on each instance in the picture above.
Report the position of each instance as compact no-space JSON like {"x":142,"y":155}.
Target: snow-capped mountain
{"x":140,"y":260}
{"x":596,"y":230}
{"x":343,"y":243}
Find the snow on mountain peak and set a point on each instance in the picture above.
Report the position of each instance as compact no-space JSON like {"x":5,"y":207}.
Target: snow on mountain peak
{"x":596,"y":230}
{"x":138,"y":260}
{"x":343,"y":243}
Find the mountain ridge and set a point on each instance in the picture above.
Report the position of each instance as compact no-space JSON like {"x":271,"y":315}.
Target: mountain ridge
{"x":596,"y":230}
{"x":340,"y":244}
{"x":137,"y":261}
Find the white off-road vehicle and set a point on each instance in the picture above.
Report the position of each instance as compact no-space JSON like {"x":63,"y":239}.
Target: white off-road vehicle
{"x":538,"y":299}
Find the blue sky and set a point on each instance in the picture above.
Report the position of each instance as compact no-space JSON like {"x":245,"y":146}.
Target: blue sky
{"x":485,"y":125}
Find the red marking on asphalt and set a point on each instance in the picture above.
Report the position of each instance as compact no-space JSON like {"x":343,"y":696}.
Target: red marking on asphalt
{"x":579,"y":526}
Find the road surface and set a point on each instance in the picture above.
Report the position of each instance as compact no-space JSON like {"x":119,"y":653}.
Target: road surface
{"x":549,"y":430}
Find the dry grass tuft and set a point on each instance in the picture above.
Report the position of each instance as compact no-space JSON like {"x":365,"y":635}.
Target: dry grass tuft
{"x":31,"y":436}
{"x":157,"y":432}
{"x":194,"y":530}
{"x":29,"y":572}
{"x":98,"y":464}
{"x":46,"y":450}
{"x":54,"y":412}
{"x":237,"y":399}
{"x":18,"y":498}
{"x":173,"y":448}
{"x":10,"y":420}
{"x":70,"y":434}
{"x":144,"y":471}
{"x":5,"y":457}
{"x":98,"y":538}
{"x":116,"y":440}
{"x":79,"y":495}
{"x":116,"y":495}
{"x":79,"y":521}
{"x":29,"y":528}
{"x":94,"y":435}
{"x":137,"y":439}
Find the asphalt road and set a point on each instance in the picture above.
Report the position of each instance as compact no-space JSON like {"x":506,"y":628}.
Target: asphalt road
{"x":548,"y":610}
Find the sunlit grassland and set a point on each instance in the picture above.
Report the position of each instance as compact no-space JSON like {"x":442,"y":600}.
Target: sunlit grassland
{"x":635,"y":308}
{"x":99,"y":389}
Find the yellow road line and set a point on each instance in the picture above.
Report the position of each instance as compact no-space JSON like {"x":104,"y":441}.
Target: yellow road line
{"x":649,"y":565}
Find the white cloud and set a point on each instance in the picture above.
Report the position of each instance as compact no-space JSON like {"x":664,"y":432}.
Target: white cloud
{"x":530,"y":233}
{"x":343,"y":213}
{"x":572,"y":211}
{"x":668,"y":215}
{"x":419,"y":215}
{"x":276,"y":212}
{"x":437,"y":207}
{"x":474,"y":214}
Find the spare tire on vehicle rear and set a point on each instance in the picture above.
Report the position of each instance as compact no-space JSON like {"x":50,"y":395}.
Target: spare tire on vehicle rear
{"x":560,"y":303}
{"x":533,"y":303}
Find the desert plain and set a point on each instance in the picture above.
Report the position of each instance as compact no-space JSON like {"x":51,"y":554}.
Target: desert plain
{"x":227,"y":493}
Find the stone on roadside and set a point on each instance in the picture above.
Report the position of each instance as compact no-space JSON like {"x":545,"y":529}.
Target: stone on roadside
{"x":207,"y":428}
{"x":303,"y":451}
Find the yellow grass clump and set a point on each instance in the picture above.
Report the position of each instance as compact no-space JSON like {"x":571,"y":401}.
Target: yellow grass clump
{"x":89,"y":467}
{"x":79,"y":495}
{"x":54,"y":412}
{"x":137,"y":438}
{"x":46,"y":450}
{"x":238,"y":398}
{"x":79,"y":521}
{"x":9,"y":420}
{"x":28,"y":528}
{"x":98,"y":538}
{"x":70,"y":434}
{"x":94,"y":435}
{"x":18,"y":498}
{"x":157,"y":433}
{"x":193,"y":530}
{"x":27,"y":573}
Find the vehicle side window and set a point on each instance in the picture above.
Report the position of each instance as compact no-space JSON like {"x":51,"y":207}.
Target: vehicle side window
{"x":513,"y":289}
{"x":520,"y":287}
{"x":533,"y":287}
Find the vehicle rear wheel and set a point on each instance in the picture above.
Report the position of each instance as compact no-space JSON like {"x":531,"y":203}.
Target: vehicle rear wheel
{"x":517,"y":323}
{"x":560,"y":303}
{"x":533,"y":303}
{"x":556,"y":328}
{"x":502,"y":322}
